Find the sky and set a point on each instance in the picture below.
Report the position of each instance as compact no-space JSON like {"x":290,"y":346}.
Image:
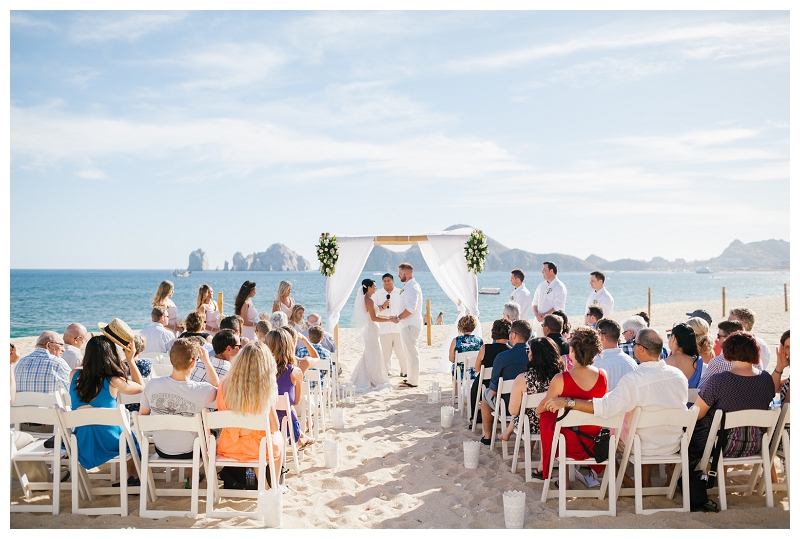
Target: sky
{"x":137,"y":137}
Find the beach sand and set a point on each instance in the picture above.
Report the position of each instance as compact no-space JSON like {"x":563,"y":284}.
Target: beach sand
{"x":401,"y":469}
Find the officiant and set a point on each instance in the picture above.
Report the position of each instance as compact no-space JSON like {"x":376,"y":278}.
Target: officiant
{"x":388,"y":304}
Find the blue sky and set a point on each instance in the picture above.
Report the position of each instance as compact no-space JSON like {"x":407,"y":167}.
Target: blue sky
{"x":621,"y":134}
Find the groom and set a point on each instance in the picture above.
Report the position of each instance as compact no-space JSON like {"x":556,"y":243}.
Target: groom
{"x":410,"y":320}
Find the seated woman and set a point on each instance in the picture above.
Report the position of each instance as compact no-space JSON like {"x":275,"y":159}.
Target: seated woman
{"x":684,"y":355}
{"x":584,"y":381}
{"x":745,"y":387}
{"x":249,"y":388}
{"x":97,"y":384}
{"x":544,"y":363}
{"x":782,"y":386}
{"x":289,"y":378}
{"x":195,"y":327}
{"x":487,"y":353}
{"x":145,"y":366}
{"x":465,"y":341}
{"x":705,"y":348}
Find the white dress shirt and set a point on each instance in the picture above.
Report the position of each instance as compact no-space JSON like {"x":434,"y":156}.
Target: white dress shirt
{"x":522,"y":296}
{"x":412,"y":302}
{"x":395,"y":308}
{"x":158,"y":338}
{"x":616,"y":363}
{"x":762,"y":344}
{"x":602,"y":299}
{"x":73,"y":356}
{"x":654,"y":386}
{"x":552,"y":295}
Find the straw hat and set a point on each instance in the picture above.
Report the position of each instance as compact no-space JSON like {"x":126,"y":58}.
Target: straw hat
{"x":118,"y":331}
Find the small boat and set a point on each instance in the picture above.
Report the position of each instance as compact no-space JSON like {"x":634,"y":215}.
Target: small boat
{"x":705,"y":269}
{"x":491,"y":291}
{"x":181,"y":273}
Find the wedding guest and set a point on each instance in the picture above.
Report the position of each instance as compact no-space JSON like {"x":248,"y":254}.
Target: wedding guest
{"x":14,"y":359}
{"x":599,"y":296}
{"x":748,"y":319}
{"x":159,"y":339}
{"x":701,"y":313}
{"x":195,"y":327}
{"x":306,"y":355}
{"x":521,"y":295}
{"x":289,"y":378}
{"x":684,"y":356}
{"x":278,"y":319}
{"x":614,"y":361}
{"x":782,"y":387}
{"x":719,"y":363}
{"x":74,"y":339}
{"x":207,"y":306}
{"x":705,"y":349}
{"x":296,"y":318}
{"x":567,"y":327}
{"x":283,"y":302}
{"x":144,"y":365}
{"x":511,"y":311}
{"x":43,"y":370}
{"x":593,"y":314}
{"x":262,"y":328}
{"x":226,"y":345}
{"x":315,"y":335}
{"x":487,"y":355}
{"x":630,"y":328}
{"x":162,"y":299}
{"x":551,"y":294}
{"x":553,"y":328}
{"x":328,"y":342}
{"x":585,"y":345}
{"x":465,"y":341}
{"x":244,"y":307}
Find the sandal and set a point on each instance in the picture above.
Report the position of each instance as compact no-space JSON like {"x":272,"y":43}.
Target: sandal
{"x":486,"y":441}
{"x":405,"y":384}
{"x":539,"y":475}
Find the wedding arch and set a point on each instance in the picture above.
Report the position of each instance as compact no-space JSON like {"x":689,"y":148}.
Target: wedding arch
{"x":443,"y":253}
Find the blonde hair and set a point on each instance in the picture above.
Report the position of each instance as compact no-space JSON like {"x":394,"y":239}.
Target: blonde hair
{"x":251,"y":385}
{"x":282,"y":348}
{"x":700,"y":327}
{"x":283,"y":288}
{"x":163,"y":292}
{"x":295,"y":308}
{"x":201,"y":295}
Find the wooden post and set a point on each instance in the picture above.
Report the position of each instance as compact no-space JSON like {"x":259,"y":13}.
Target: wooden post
{"x":723,"y":301}
{"x":428,"y":318}
{"x":336,"y":335}
{"x":649,"y":297}
{"x":219,"y":304}
{"x":785,"y":297}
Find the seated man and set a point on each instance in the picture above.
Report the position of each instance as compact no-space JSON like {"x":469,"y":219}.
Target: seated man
{"x":177,"y":394}
{"x":226,"y":348}
{"x":327,"y":342}
{"x":553,"y":326}
{"x":74,"y":337}
{"x":234,"y":322}
{"x":507,"y":365}
{"x":630,"y":328}
{"x":593,"y":314}
{"x":511,"y":311}
{"x":43,"y":370}
{"x":262,"y":328}
{"x":719,"y":363}
{"x":614,"y":361}
{"x":748,"y":320}
{"x":158,"y":338}
{"x":654,"y":386}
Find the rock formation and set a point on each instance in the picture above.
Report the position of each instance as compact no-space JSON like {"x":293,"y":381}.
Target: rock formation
{"x":198,"y":261}
{"x":277,"y":257}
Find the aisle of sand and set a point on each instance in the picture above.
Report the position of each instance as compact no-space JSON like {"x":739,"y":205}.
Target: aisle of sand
{"x":400,"y":469}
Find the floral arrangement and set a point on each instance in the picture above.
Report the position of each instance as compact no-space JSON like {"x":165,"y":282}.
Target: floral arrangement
{"x":475,"y":250}
{"x":327,"y":254}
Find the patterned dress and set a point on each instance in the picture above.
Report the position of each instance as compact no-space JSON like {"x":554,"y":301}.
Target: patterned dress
{"x":533,"y":385}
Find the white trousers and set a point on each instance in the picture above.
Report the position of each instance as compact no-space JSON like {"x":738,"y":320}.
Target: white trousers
{"x":409,"y":335}
{"x":389,"y":342}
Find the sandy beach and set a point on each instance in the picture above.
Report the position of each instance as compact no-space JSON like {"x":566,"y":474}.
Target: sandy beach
{"x":401,"y":469}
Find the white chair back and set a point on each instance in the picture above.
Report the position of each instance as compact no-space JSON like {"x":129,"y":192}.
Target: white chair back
{"x":485,"y":374}
{"x":32,"y":398}
{"x":162,"y":370}
{"x":284,"y":404}
{"x":523,"y":433}
{"x":500,"y":413}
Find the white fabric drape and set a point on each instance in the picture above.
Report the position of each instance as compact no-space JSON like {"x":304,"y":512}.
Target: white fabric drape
{"x":353,"y":254}
{"x":445,"y":257}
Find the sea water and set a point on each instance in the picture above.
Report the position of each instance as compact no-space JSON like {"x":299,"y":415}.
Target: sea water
{"x":52,"y":299}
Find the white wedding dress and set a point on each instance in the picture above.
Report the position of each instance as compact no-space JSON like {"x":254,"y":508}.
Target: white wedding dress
{"x":370,"y":372}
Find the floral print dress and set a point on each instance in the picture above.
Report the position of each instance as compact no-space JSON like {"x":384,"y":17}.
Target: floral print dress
{"x":533,"y":385}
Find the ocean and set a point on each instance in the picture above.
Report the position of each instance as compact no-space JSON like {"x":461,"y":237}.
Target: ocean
{"x":52,"y":299}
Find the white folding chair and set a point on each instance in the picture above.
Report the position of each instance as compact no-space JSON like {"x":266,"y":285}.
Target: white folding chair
{"x":160,"y":370}
{"x":485,"y":374}
{"x":499,"y":414}
{"x":285,"y":405}
{"x":334,"y":380}
{"x":316,"y":400}
{"x":124,"y":398}
{"x":115,"y":417}
{"x":663,"y":418}
{"x":559,"y":449}
{"x":523,"y":433}
{"x":461,"y":380}
{"x":780,"y":438}
{"x":148,"y":423}
{"x":156,"y":358}
{"x":228,"y":419}
{"x":766,"y":419}
{"x":36,"y":452}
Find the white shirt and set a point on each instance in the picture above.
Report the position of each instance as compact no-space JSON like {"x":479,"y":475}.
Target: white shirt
{"x":552,"y":295}
{"x":654,"y":386}
{"x":73,"y":356}
{"x":412,"y":302}
{"x":616,"y":363}
{"x":522,"y":297}
{"x":395,"y":308}
{"x":158,"y":338}
{"x":602,"y":299}
{"x":764,"y":352}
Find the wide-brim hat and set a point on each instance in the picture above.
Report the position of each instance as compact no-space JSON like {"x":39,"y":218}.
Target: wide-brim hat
{"x":118,"y":331}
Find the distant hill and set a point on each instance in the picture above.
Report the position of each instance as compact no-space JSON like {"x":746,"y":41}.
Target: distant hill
{"x":277,"y":257}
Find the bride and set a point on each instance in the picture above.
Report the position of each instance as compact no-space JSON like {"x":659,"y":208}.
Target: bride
{"x":370,"y":373}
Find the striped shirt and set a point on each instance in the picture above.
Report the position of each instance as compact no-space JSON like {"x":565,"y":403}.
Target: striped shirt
{"x":627,"y":347}
{"x":42,"y":372}
{"x":200,"y":374}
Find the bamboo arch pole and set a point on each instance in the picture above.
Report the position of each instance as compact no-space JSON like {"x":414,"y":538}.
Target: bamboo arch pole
{"x":219,"y":304}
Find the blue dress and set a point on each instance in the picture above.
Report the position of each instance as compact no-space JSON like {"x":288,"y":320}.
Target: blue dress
{"x":694,"y":381}
{"x":97,"y":444}
{"x":466,"y":343}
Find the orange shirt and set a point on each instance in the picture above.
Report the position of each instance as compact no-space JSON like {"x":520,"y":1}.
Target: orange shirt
{"x":243,"y":444}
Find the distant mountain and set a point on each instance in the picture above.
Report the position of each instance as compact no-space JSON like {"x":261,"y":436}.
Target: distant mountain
{"x":277,"y":257}
{"x":198,"y":261}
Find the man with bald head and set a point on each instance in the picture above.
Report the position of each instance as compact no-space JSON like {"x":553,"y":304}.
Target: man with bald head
{"x":654,"y":386}
{"x":43,"y":370}
{"x":327,"y":342}
{"x":74,"y":337}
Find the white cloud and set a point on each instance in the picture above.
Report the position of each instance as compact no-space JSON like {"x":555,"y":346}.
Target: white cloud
{"x":26,"y":20}
{"x":128,"y":26}
{"x":82,"y":78}
{"x":229,"y":65}
{"x":92,"y":174}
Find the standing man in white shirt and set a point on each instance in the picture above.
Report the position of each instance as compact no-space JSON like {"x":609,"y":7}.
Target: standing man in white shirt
{"x":159,"y":339}
{"x":599,"y":296}
{"x":410,"y":320}
{"x":521,"y":295}
{"x":551,"y":294}
{"x":74,"y":338}
{"x":389,"y":304}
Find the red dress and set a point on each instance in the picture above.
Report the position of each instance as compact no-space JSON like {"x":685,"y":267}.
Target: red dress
{"x":547,"y":422}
